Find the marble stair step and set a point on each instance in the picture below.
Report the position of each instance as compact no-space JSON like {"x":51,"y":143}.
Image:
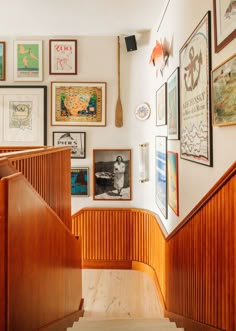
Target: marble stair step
{"x":112,"y":318}
{"x":124,"y":322}
{"x":131,"y":327}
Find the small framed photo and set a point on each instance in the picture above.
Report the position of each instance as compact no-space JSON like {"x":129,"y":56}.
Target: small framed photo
{"x":80,"y":182}
{"x":161,"y":174}
{"x":80,"y":104}
{"x":173,"y":182}
{"x":75,"y":140}
{"x":28,"y":64}
{"x":112,"y":174}
{"x":63,"y":57}
{"x":223,"y":93}
{"x":173,"y":105}
{"x":2,"y":60}
{"x":161,"y":105}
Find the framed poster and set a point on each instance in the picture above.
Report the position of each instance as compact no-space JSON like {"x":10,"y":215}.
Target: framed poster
{"x":161,"y":174}
{"x":161,"y":106}
{"x":223,"y":93}
{"x":173,"y":182}
{"x":75,"y":140}
{"x":195,"y":102}
{"x":28,"y":64}
{"x":23,"y":115}
{"x":62,"y":57}
{"x":80,"y":104}
{"x":112,"y":174}
{"x":2,"y":60}
{"x":224,"y":23}
{"x":173,"y":105}
{"x":80,"y":182}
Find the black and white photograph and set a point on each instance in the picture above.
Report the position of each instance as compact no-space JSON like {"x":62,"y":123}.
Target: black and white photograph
{"x":75,"y":140}
{"x":112,"y":174}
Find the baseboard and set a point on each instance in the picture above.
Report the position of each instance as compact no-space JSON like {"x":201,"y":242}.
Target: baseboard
{"x":99,"y":264}
{"x":65,"y":322}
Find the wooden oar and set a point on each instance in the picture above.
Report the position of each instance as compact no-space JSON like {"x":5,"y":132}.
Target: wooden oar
{"x":119,"y":111}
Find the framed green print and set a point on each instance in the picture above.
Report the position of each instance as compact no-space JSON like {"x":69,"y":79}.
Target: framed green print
{"x":2,"y":60}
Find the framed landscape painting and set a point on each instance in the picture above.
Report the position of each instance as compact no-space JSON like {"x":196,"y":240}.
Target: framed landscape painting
{"x":63,"y":57}
{"x":28,"y":63}
{"x":2,"y":60}
{"x":112,"y":174}
{"x":173,"y":182}
{"x":173,"y":105}
{"x":77,"y":103}
{"x":75,"y":140}
{"x":80,"y":182}
{"x":161,"y":174}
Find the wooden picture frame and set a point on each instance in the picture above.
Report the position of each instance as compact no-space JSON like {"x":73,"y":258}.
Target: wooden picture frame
{"x":63,"y":57}
{"x":23,"y":117}
{"x":75,"y":140}
{"x":112,"y":174}
{"x":161,"y":105}
{"x":224,"y":23}
{"x":161,"y":174}
{"x":80,"y":181}
{"x":173,"y":105}
{"x":173,"y":181}
{"x":195,"y":95}
{"x":78,"y":103}
{"x":2,"y":60}
{"x":28,"y":60}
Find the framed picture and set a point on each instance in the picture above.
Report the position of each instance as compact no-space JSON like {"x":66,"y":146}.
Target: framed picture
{"x":223,"y":93}
{"x":143,"y":111}
{"x":161,"y":174}
{"x":80,"y":182}
{"x":2,"y":60}
{"x":173,"y":181}
{"x":173,"y":105}
{"x":112,"y":174}
{"x":80,"y":104}
{"x":75,"y":140}
{"x":224,"y":23}
{"x":195,"y":101}
{"x":28,"y":64}
{"x":23,"y":115}
{"x":62,"y":57}
{"x":161,"y":105}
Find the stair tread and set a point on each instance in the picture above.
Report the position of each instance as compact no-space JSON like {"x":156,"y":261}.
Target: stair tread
{"x":127,"y":328}
{"x":124,"y":322}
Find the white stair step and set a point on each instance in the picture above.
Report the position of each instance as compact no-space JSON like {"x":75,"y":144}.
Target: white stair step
{"x":124,"y":322}
{"x":126,"y":328}
{"x":125,"y":317}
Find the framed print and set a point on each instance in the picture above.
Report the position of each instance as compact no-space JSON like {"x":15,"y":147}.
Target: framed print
{"x":28,"y":64}
{"x":223,"y":93}
{"x":173,"y":105}
{"x":161,"y":174}
{"x":23,"y":115}
{"x":224,"y":23}
{"x":112,"y":174}
{"x":80,"y":104}
{"x":2,"y":60}
{"x":80,"y":182}
{"x":173,"y":181}
{"x":161,"y":105}
{"x":195,"y":101}
{"x":143,"y":111}
{"x":62,"y":57}
{"x":75,"y":140}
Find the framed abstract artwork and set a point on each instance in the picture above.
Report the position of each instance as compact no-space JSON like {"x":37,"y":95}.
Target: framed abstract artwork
{"x":28,"y":63}
{"x":112,"y":174}
{"x":2,"y":60}
{"x":80,"y":104}
{"x":173,"y":181}
{"x":161,"y":105}
{"x":195,"y":100}
{"x":173,"y":105}
{"x":161,"y":174}
{"x":224,"y":23}
{"x":23,"y":115}
{"x":75,"y":140}
{"x":80,"y":182}
{"x":63,"y":57}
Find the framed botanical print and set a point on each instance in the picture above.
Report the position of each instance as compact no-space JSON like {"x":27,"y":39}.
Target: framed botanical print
{"x":75,"y":140}
{"x":173,"y":181}
{"x":173,"y":105}
{"x":63,"y":57}
{"x":23,"y":115}
{"x":80,"y":182}
{"x":2,"y":60}
{"x":161,"y":174}
{"x":195,"y":100}
{"x":112,"y":174}
{"x":161,"y":105}
{"x":80,"y":104}
{"x":28,"y":63}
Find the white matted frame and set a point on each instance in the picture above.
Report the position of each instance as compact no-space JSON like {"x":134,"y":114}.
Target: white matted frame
{"x":62,"y":57}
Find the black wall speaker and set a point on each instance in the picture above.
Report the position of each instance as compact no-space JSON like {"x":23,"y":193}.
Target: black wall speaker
{"x":131,"y":44}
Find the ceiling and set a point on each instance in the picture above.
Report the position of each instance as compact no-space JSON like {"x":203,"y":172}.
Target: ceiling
{"x":79,"y":17}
